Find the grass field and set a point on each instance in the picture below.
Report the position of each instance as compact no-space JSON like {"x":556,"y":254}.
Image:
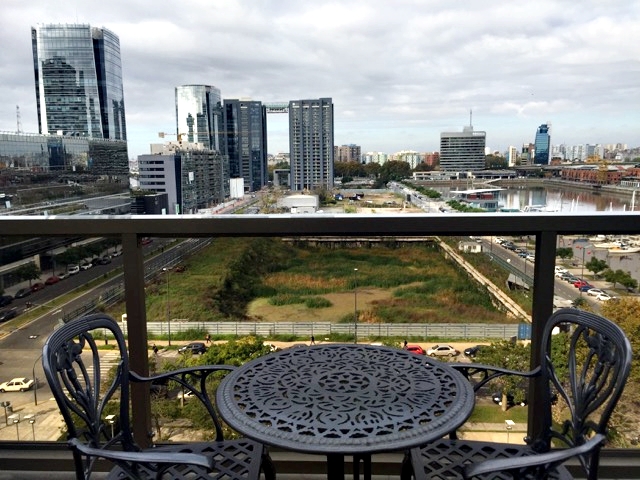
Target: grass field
{"x":269,"y":280}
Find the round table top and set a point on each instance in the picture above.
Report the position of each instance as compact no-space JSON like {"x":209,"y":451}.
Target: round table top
{"x":345,"y":398}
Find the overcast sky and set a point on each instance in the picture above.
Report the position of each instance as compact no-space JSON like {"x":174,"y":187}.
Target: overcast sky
{"x":399,"y":71}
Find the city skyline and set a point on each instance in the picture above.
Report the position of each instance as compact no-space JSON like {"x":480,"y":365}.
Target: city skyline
{"x":399,"y":74}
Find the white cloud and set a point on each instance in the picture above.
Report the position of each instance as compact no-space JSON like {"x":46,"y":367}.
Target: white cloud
{"x":399,"y":72}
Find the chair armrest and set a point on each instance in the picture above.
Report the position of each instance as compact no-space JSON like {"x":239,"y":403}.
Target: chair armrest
{"x":546,"y":461}
{"x":489,"y":372}
{"x":147,"y":457}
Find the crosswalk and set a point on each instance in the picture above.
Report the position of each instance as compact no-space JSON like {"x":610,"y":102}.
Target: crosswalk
{"x":108,"y":360}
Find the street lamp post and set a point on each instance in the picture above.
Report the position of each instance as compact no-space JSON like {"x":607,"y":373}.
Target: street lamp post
{"x":509,"y":424}
{"x":166,"y":271}
{"x":355,"y":305}
{"x":32,"y":420}
{"x":15,"y":419}
{"x":111,"y":419}
{"x":35,"y":381}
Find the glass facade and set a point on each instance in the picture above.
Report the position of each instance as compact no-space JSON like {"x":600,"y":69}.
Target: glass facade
{"x":462,"y":151}
{"x":78,"y":80}
{"x":246,"y":141}
{"x":199,"y":115}
{"x":40,"y":153}
{"x":311,"y":143}
{"x":542,"y":145}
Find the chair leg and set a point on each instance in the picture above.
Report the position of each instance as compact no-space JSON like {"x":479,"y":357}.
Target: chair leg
{"x":267,"y":466}
{"x":407,"y":469}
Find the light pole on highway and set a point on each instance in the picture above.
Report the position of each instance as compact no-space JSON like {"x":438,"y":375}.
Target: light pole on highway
{"x":166,"y":271}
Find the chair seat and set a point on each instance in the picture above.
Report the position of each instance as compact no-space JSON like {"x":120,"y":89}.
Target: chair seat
{"x":233,"y":459}
{"x":445,"y":459}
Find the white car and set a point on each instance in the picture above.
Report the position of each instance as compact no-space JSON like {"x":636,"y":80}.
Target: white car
{"x":603,"y":297}
{"x":73,"y":269}
{"x":561,"y":270}
{"x":442,"y":350}
{"x":16,"y":385}
{"x":594,"y":292}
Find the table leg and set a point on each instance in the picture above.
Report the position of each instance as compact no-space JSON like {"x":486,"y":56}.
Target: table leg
{"x":335,"y":467}
{"x":366,"y":467}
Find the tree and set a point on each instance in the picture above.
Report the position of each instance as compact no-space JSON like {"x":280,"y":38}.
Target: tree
{"x":28,"y":271}
{"x":621,"y":277}
{"x":395,"y":170}
{"x":495,"y":161}
{"x":564,"y":252}
{"x":596,"y":266}
{"x":511,"y":355}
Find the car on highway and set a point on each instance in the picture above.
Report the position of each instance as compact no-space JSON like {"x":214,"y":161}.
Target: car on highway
{"x":415,"y":349}
{"x":471,"y":352}
{"x":16,"y":385}
{"x":196,"y":348}
{"x":8,"y":314}
{"x":594,"y":292}
{"x":442,"y":351}
{"x":23,"y":292}
{"x":52,"y":280}
{"x":5,"y":300}
{"x":36,"y":287}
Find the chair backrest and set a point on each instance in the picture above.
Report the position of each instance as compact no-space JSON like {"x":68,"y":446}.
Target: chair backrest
{"x":71,"y":364}
{"x":586,"y":360}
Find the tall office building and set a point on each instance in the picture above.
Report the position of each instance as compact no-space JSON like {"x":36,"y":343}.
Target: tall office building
{"x":462,"y":151}
{"x":199,"y":115}
{"x":78,"y":78}
{"x":311,"y":143}
{"x":245,"y":133}
{"x":542,"y":145}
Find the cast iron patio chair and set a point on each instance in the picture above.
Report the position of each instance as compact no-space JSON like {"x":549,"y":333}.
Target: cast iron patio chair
{"x":72,"y":367}
{"x":588,"y":378}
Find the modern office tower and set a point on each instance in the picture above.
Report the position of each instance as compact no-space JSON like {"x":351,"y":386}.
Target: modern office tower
{"x":78,"y":78}
{"x":512,"y":156}
{"x":199,"y":115}
{"x":542,"y":145}
{"x":311,"y":143}
{"x":245,"y":132}
{"x":347,"y":153}
{"x":462,"y":151}
{"x":192,"y":177}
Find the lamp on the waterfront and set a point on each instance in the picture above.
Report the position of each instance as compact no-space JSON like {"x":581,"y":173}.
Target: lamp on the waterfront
{"x":355,"y":305}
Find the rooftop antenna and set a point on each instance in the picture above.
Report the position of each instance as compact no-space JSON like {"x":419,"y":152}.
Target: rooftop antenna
{"x":18,"y":120}
{"x":471,"y":118}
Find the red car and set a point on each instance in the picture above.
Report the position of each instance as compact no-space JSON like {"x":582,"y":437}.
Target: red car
{"x":581,"y":283}
{"x":51,"y":280}
{"x":37,"y":286}
{"x":415,"y":349}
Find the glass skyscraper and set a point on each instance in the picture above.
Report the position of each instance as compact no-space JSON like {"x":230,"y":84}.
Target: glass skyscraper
{"x":245,"y":125}
{"x":542,"y":145}
{"x":199,"y":115}
{"x":78,"y":79}
{"x":311,"y":143}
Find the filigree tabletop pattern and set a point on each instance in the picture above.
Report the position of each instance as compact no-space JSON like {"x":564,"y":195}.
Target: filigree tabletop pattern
{"x":345,"y":398}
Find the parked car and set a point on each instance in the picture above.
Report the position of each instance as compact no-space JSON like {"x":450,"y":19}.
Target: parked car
{"x":86,"y":265}
{"x":105,"y":260}
{"x":117,"y":253}
{"x":594,"y":292}
{"x":16,"y":385}
{"x":497,"y":399}
{"x":73,"y":269}
{"x":8,"y":314}
{"x":62,"y":275}
{"x":5,"y":300}
{"x":23,"y":292}
{"x":196,"y":348}
{"x":603,"y":297}
{"x":415,"y":349}
{"x":442,"y":350}
{"x":52,"y":280}
{"x":36,"y":287}
{"x":471,"y":352}
{"x":585,"y":288}
{"x":580,"y":283}
{"x":561,"y":270}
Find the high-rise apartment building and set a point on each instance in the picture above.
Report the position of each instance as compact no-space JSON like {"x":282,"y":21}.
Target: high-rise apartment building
{"x":542,"y":145}
{"x":78,"y":79}
{"x":245,"y":133}
{"x":311,"y":143}
{"x":462,"y":151}
{"x":347,"y":153}
{"x":199,"y":115}
{"x":512,"y":156}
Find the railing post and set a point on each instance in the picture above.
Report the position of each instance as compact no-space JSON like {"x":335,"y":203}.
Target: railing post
{"x":542,"y":308}
{"x":133,"y":263}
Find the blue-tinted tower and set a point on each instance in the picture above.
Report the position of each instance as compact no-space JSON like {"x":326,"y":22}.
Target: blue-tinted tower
{"x":542,"y":145}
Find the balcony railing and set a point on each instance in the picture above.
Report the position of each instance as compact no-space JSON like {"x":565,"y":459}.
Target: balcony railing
{"x":545,"y":227}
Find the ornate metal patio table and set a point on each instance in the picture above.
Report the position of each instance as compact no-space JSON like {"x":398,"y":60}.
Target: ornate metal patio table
{"x":345,"y":399}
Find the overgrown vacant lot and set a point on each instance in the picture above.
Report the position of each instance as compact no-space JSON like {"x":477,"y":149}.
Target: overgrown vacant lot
{"x":269,"y":280}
